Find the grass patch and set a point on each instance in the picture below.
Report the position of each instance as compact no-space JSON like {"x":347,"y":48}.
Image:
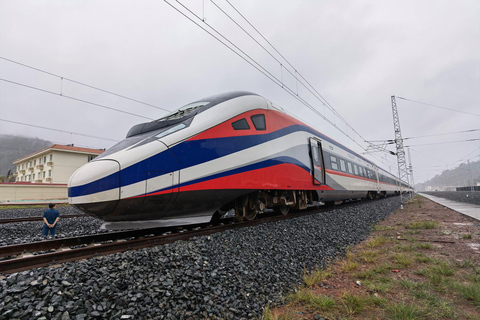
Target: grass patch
{"x":379,"y":285}
{"x":424,"y":245}
{"x":322,"y":302}
{"x":369,"y":256}
{"x":376,"y":242}
{"x":467,"y":236}
{"x":443,"y":268}
{"x":348,"y":265}
{"x":268,"y":314}
{"x":422,"y":258}
{"x":401,"y":260}
{"x":402,"y":311}
{"x":353,"y":303}
{"x":469,"y":292}
{"x":313,"y":277}
{"x":367,"y":274}
{"x":405,"y":247}
{"x":409,"y":284}
{"x":422,"y":225}
{"x":383,"y":228}
{"x":383,"y":268}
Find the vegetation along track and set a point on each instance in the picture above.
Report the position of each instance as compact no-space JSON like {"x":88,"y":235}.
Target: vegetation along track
{"x":39,"y":254}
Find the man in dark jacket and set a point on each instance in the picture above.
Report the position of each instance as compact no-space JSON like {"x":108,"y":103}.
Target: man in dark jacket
{"x":51,"y":217}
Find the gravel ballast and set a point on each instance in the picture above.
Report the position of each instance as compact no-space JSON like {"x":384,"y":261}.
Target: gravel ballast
{"x":228,"y":275}
{"x":472,"y":197}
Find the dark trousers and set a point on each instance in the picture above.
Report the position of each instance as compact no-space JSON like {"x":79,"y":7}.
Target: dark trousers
{"x":46,"y":229}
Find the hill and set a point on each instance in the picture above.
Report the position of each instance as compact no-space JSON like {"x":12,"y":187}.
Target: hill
{"x":15,"y":147}
{"x":459,"y":177}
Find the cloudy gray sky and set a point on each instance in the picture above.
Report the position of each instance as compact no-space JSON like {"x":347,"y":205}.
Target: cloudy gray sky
{"x":356,"y":54}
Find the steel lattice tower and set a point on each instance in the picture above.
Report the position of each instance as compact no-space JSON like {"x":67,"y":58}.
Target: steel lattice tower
{"x":402,"y":161}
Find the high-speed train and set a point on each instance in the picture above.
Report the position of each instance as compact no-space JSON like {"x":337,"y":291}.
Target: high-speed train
{"x":235,"y":151}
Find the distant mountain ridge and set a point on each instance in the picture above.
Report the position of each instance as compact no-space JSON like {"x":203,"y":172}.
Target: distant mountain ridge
{"x":14,"y":147}
{"x":461,"y":176}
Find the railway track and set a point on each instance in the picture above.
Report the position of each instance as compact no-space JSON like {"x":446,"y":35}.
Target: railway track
{"x":16,"y":258}
{"x":26,"y":219}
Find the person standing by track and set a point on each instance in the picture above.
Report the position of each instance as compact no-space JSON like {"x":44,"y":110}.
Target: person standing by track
{"x":51,"y":217}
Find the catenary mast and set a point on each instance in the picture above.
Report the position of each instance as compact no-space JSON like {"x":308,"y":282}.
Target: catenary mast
{"x":402,"y":162}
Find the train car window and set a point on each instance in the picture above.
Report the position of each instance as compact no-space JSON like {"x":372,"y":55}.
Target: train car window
{"x":349,"y":168}
{"x":355,"y":169}
{"x":259,"y":121}
{"x":362,"y":172}
{"x":333,"y":161}
{"x":241,"y":124}
{"x":342,"y":165}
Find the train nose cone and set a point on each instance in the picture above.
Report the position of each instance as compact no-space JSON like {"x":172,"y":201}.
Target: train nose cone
{"x":95,"y":187}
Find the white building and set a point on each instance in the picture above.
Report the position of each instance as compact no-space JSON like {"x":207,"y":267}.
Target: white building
{"x":54,"y":164}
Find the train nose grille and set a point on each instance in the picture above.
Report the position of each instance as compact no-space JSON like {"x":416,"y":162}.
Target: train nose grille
{"x":95,"y":187}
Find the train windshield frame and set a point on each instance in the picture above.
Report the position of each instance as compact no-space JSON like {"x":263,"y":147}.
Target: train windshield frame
{"x":183,"y":111}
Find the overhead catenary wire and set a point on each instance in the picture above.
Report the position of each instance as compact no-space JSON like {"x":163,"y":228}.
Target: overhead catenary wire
{"x":255,"y":64}
{"x":288,"y":62}
{"x":76,"y":99}
{"x":444,"y":142}
{"x":432,"y":105}
{"x":390,"y":141}
{"x":57,"y":130}
{"x":295,"y":72}
{"x":81,"y":83}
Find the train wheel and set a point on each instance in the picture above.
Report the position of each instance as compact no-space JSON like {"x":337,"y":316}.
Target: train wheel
{"x":250,"y":215}
{"x":240,"y":207}
{"x":283,"y":210}
{"x":250,"y":210}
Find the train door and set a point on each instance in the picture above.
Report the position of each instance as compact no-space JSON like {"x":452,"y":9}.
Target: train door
{"x":318,"y":167}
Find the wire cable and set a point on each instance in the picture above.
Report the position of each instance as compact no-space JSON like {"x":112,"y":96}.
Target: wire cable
{"x":257,"y":66}
{"x":320,"y":97}
{"x":82,"y":84}
{"x":429,"y":144}
{"x":73,"y":98}
{"x":46,"y":128}
{"x":432,"y":105}
{"x":390,"y":141}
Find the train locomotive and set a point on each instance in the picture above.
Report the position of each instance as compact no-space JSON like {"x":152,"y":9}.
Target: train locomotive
{"x":230,"y":151}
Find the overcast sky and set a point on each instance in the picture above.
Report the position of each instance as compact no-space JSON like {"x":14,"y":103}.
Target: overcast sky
{"x":356,"y":54}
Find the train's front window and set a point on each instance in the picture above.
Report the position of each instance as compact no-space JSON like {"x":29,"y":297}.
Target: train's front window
{"x":182,"y":111}
{"x":171,"y":130}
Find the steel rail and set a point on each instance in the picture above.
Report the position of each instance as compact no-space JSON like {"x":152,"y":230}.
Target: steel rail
{"x":17,"y":249}
{"x":5,"y":221}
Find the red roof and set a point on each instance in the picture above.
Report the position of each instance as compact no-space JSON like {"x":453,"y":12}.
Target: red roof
{"x":66,"y":148}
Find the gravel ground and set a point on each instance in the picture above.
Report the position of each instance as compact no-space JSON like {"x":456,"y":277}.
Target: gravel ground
{"x":472,"y":197}
{"x":25,"y":232}
{"x":229,"y":275}
{"x":35,"y":212}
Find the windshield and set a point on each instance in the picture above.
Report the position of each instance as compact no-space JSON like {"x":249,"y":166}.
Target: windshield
{"x":182,"y":111}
